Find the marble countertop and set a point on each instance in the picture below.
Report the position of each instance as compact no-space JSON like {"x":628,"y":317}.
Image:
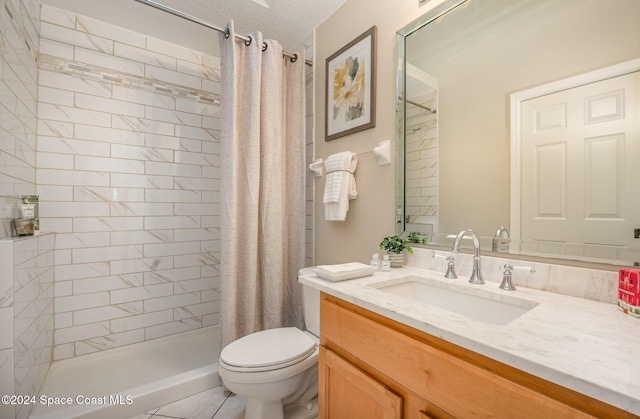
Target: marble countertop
{"x":587,"y":346}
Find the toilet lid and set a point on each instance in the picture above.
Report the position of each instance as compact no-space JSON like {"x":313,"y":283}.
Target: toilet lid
{"x":273,"y":347}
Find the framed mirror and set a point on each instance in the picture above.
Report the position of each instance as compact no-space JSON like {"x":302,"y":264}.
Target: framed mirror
{"x":522,"y":120}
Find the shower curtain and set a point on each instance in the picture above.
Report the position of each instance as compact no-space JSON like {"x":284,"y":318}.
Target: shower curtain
{"x":262,"y":188}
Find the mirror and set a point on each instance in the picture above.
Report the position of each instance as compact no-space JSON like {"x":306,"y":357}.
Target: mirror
{"x":482,"y":114}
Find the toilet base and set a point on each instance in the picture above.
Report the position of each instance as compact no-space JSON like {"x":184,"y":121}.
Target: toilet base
{"x":302,"y":411}
{"x":265,"y":409}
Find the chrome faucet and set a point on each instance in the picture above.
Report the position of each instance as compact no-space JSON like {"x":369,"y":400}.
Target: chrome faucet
{"x":476,"y":274}
{"x":499,"y":242}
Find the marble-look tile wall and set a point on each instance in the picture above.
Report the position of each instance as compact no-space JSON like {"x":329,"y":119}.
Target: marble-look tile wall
{"x":421,"y":165}
{"x":310,"y":183}
{"x":128,"y":173}
{"x":19,"y":20}
{"x":592,"y":284}
{"x":26,"y":318}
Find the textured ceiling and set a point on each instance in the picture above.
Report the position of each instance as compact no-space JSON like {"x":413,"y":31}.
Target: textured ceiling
{"x":288,"y":21}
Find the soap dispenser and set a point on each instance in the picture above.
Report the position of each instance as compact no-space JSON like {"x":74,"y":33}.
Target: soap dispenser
{"x":386,"y":264}
{"x":375,"y":261}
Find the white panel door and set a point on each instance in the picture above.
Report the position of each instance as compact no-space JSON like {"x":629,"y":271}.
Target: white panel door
{"x":581,"y":164}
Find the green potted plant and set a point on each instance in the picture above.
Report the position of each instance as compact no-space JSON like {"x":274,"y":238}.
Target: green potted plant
{"x":415,"y":237}
{"x":395,"y":247}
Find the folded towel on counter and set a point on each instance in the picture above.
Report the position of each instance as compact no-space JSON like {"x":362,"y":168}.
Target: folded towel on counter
{"x":340,"y":185}
{"x":343,"y":271}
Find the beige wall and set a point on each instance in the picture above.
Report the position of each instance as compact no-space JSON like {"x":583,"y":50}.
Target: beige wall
{"x":371,"y":214}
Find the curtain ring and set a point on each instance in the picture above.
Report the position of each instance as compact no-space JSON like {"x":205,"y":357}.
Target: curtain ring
{"x":294,"y":58}
{"x":227,"y":34}
{"x":264,"y":46}
{"x":247,"y":43}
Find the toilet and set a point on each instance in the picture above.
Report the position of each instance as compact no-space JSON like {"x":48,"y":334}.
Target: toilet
{"x":277,"y":369}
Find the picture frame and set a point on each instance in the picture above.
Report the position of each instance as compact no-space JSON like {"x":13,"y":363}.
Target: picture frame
{"x":350,"y":87}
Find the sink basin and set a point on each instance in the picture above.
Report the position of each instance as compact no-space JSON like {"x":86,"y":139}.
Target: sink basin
{"x":469,"y":301}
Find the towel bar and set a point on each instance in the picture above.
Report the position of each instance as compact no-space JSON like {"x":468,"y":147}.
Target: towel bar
{"x":317,"y":167}
{"x":382,"y":152}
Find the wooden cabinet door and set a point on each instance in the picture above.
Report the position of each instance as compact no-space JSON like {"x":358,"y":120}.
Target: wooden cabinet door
{"x":345,"y":391}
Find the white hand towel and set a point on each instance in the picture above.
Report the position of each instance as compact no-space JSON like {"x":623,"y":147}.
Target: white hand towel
{"x":343,"y":268}
{"x":343,"y":271}
{"x":340,"y":185}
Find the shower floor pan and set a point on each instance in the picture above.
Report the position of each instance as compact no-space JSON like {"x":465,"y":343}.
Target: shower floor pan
{"x":129,"y":380}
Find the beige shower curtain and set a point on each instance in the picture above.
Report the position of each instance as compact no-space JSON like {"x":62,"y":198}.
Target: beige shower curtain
{"x":262,"y":189}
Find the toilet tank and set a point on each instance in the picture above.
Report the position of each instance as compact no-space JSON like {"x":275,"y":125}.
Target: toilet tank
{"x":311,"y":305}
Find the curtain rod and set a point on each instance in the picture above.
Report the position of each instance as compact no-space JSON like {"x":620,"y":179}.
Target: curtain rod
{"x":210,"y":25}
{"x":426,"y":108}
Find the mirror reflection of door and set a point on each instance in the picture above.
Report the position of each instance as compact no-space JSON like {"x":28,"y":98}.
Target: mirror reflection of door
{"x":580,"y":165}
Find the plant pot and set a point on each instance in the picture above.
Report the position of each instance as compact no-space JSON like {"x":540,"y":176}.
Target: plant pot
{"x":396,"y":259}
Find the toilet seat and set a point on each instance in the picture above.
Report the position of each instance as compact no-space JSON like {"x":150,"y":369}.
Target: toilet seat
{"x":268,"y":350}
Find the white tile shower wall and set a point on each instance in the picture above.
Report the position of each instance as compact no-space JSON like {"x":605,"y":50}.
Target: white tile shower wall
{"x":26,"y":318}
{"x":308,"y":47}
{"x":128,"y":172}
{"x":422,"y":163}
{"x":18,"y":91}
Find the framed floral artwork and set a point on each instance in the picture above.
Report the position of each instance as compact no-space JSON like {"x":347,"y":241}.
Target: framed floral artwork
{"x":350,"y":87}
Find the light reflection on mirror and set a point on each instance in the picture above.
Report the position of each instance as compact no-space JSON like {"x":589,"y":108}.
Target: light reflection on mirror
{"x":456,"y":160}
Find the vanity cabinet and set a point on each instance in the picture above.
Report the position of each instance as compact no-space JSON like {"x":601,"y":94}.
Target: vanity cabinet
{"x":373,"y":367}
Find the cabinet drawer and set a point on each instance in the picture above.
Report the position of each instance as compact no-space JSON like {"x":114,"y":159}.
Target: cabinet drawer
{"x":452,"y":383}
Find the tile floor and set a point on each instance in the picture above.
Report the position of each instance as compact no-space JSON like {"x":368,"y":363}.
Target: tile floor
{"x":215,"y":403}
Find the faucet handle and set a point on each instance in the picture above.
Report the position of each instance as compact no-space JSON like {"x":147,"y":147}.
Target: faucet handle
{"x":507,"y":283}
{"x":451,"y":265}
{"x":521,"y":268}
{"x":451,"y":268}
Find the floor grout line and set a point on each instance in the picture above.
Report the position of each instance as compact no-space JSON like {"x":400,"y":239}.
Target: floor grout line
{"x":223,"y":403}
{"x":227,"y":395}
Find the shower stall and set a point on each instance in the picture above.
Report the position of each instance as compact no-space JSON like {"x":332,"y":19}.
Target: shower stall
{"x":118,"y":134}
